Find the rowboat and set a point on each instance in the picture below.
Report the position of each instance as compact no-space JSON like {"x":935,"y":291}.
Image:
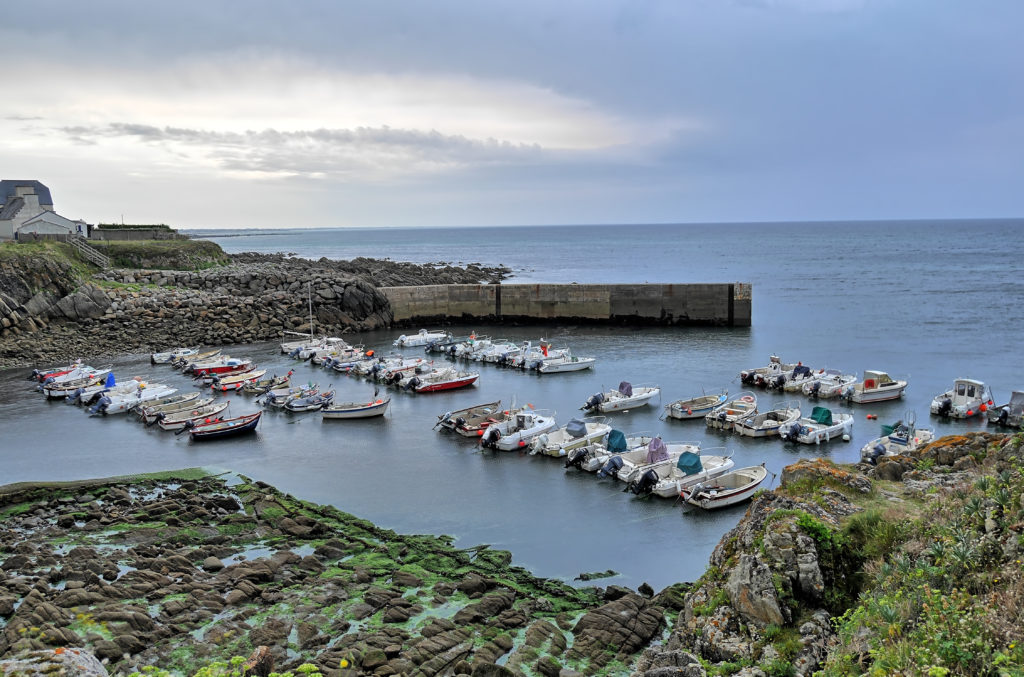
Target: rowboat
{"x":696,"y":407}
{"x":226,"y":428}
{"x":369,"y":409}
{"x":152,"y":410}
{"x":768,"y":423}
{"x":728,"y":489}
{"x":236,"y":381}
{"x":471,"y":421}
{"x":877,"y":386}
{"x":180,"y":419}
{"x":579,"y":432}
{"x":267,"y":384}
{"x":626,"y":396}
{"x":741,"y":406}
{"x":668,"y":479}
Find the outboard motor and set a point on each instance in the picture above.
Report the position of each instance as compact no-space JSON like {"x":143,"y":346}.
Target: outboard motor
{"x":1004,"y":417}
{"x":538,"y":443}
{"x":159,"y":417}
{"x":100,"y":409}
{"x":594,"y":401}
{"x":777,"y":382}
{"x":945,"y":407}
{"x":610,"y":468}
{"x":411,"y":383}
{"x":791,"y":433}
{"x":576,"y":457}
{"x":75,"y":397}
{"x":490,"y":438}
{"x":644,"y":485}
{"x":459,"y":422}
{"x":47,"y":381}
{"x":295,"y":353}
{"x":876,"y":452}
{"x":815,"y":388}
{"x":746,"y":377}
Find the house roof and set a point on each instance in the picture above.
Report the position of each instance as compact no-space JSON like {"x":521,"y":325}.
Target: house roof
{"x":8,"y":188}
{"x":11,"y":208}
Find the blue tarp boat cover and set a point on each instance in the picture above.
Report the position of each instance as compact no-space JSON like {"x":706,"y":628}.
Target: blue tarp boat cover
{"x":689,"y":463}
{"x":110,"y":381}
{"x":616,"y":441}
{"x":657,"y":451}
{"x":822,"y":415}
{"x":576,"y":428}
{"x":801,"y":370}
{"x":626,"y":389}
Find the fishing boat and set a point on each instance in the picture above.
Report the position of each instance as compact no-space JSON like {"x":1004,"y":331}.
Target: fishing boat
{"x":226,"y":428}
{"x":829,"y":384}
{"x":179,"y":419}
{"x":447,"y":378}
{"x":375,"y":407}
{"x":593,"y":457}
{"x":220,"y":366}
{"x":170,"y":404}
{"x":695,"y":407}
{"x":626,"y":396}
{"x":311,"y":403}
{"x":578,"y":432}
{"x":668,"y":479}
{"x":740,"y":406}
{"x":899,"y":438}
{"x":820,"y":426}
{"x":968,"y":397}
{"x":422,"y":338}
{"x":876,"y":386}
{"x":472,"y":421}
{"x":172,"y":355}
{"x":564,"y":363}
{"x":267,"y":384}
{"x":518,"y":431}
{"x":1011,"y":414}
{"x":768,"y":423}
{"x":236,"y":381}
{"x":727,"y":489}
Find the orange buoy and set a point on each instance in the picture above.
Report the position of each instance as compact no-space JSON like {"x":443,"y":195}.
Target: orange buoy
{"x":872,"y":417}
{"x":983,"y":408}
{"x":970,"y":412}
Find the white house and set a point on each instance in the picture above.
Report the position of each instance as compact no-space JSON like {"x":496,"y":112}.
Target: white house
{"x":27,"y":208}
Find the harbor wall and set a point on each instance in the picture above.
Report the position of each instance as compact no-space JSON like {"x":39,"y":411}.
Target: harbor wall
{"x":724,"y":304}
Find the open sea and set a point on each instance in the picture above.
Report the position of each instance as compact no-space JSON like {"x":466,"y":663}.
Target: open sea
{"x":928,"y":301}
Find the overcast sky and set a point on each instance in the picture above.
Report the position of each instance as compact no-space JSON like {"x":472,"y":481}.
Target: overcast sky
{"x":445,"y":113}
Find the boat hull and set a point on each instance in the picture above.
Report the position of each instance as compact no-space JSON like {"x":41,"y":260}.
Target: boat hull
{"x":352,"y":410}
{"x":229,"y":428}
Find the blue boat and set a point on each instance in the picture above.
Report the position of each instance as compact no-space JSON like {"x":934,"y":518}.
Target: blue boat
{"x":227,"y":428}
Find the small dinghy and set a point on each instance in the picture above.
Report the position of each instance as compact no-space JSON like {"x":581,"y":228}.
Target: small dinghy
{"x":180,"y":419}
{"x":898,"y":438}
{"x":472,"y":421}
{"x":965,"y":399}
{"x":1009,"y":415}
{"x":727,"y":489}
{"x":579,"y":432}
{"x":626,"y":396}
{"x":668,"y":479}
{"x":696,"y":407}
{"x":518,"y":431}
{"x":375,"y":407}
{"x":226,"y":428}
{"x":768,"y":423}
{"x":741,"y":406}
{"x":820,"y":426}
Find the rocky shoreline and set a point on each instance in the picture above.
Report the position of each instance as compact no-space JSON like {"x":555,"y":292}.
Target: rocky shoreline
{"x":50,"y":310}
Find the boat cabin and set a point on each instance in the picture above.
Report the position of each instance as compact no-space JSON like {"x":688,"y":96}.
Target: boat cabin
{"x":876,"y":379}
{"x":967,"y":391}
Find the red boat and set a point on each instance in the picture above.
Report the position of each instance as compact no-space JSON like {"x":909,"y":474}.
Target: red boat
{"x":443,"y":379}
{"x":228,"y":366}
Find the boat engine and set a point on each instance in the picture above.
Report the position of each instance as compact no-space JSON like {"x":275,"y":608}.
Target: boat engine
{"x":295,"y":353}
{"x":411,"y":383}
{"x":576,"y":457}
{"x":490,"y":438}
{"x":945,"y":407}
{"x":75,"y":397}
{"x":777,"y":382}
{"x":159,"y":417}
{"x":101,"y":407}
{"x":815,"y":388}
{"x":1004,"y":417}
{"x":594,"y":401}
{"x":644,"y":485}
{"x":610,"y":468}
{"x":790,"y":433}
{"x":539,"y":442}
{"x":746,"y":377}
{"x":876,"y":452}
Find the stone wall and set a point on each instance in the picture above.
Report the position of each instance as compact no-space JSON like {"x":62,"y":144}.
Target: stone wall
{"x":645,"y":304}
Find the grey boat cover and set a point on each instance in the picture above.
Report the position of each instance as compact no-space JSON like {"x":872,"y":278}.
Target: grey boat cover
{"x":822,"y":415}
{"x":1016,"y":403}
{"x":689,"y":463}
{"x":657,"y":451}
{"x":616,"y":441}
{"x":626,"y":389}
{"x":576,"y":427}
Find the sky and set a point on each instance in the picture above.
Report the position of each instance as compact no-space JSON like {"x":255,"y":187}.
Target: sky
{"x":254,"y":114}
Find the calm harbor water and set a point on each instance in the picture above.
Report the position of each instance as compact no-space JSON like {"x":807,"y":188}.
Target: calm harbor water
{"x":926,"y":301}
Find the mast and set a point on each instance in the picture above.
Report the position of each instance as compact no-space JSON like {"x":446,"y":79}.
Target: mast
{"x":309,"y":295}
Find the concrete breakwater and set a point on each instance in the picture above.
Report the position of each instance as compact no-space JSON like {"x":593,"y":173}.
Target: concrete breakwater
{"x":642,"y":304}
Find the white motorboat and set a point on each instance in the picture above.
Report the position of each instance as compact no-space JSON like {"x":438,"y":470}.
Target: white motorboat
{"x":579,"y":432}
{"x":184,"y":363}
{"x":768,"y":423}
{"x":518,"y":431}
{"x":798,"y":378}
{"x":968,"y":397}
{"x":172,"y":355}
{"x":696,"y":407}
{"x":171,"y":403}
{"x":279,"y":397}
{"x":728,"y":489}
{"x":178,"y":420}
{"x":564,"y":363}
{"x":422,"y":338}
{"x":80,"y":391}
{"x":668,"y":479}
{"x":626,"y":396}
{"x":760,"y":375}
{"x":312,"y":402}
{"x":92,"y":394}
{"x":779,"y":381}
{"x":436,"y":380}
{"x":341,"y":410}
{"x":740,"y":406}
{"x":593,"y":457}
{"x":121,"y":402}
{"x":821,"y":426}
{"x":829,"y":384}
{"x":898,"y":438}
{"x":659,"y":453}
{"x":876,"y":386}
{"x":79,"y":377}
{"x":472,"y":421}
{"x":1011,"y":414}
